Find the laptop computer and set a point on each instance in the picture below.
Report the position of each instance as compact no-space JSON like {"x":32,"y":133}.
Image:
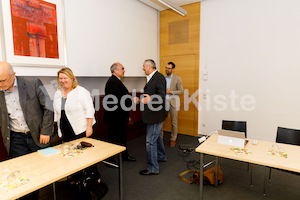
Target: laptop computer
{"x":232,"y":138}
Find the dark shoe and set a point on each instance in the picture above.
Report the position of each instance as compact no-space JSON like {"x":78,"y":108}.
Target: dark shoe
{"x":147,"y":172}
{"x":128,"y":158}
{"x":162,"y":160}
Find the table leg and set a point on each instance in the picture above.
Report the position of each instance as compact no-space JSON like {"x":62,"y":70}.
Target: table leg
{"x":250,"y":169}
{"x":120,"y":178}
{"x":216,"y":172}
{"x":265,"y":180}
{"x":201,"y":175}
{"x":54,"y":192}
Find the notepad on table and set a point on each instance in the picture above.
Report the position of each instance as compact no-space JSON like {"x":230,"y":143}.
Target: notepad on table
{"x":49,"y":151}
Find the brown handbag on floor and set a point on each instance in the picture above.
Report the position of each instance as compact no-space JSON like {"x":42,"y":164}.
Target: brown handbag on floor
{"x":208,"y":176}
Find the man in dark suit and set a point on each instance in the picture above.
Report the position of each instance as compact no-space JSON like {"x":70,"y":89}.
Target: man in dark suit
{"x":26,"y":114}
{"x":114,"y":113}
{"x":153,"y":114}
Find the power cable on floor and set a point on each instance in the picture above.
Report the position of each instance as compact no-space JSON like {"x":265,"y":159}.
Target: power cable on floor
{"x":184,"y":151}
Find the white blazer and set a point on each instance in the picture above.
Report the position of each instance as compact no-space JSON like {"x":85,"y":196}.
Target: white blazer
{"x":79,"y":106}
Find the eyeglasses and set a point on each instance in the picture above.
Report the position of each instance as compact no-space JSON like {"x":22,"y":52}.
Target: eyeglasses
{"x":120,"y":68}
{"x":168,"y":68}
{"x":3,"y":81}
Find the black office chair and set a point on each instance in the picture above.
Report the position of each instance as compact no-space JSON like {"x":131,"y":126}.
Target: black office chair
{"x":285,"y":136}
{"x":240,"y":126}
{"x":288,"y":136}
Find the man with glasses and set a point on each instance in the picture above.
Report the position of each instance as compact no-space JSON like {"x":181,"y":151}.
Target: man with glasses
{"x":114,"y":113}
{"x":26,"y":114}
{"x":174,"y":88}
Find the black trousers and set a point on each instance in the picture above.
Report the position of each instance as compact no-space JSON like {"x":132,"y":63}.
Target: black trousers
{"x":117,"y":133}
{"x":21,"y":144}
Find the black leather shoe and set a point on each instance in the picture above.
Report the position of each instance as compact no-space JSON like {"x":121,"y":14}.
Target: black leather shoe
{"x":128,"y":158}
{"x":147,"y":172}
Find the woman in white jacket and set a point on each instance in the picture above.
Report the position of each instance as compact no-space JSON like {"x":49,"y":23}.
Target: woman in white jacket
{"x":74,"y":114}
{"x":73,"y":107}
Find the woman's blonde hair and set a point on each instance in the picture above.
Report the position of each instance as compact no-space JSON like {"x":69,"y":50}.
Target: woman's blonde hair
{"x":67,"y":71}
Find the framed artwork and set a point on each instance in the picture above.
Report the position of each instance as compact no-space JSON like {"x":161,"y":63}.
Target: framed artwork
{"x":33,"y":33}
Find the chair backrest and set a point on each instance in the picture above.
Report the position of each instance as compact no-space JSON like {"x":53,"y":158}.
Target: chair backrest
{"x":288,"y":136}
{"x":240,"y":126}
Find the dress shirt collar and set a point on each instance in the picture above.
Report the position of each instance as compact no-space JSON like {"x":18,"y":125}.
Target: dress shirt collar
{"x":169,"y":76}
{"x":15,"y":82}
{"x":117,"y":77}
{"x":150,"y":75}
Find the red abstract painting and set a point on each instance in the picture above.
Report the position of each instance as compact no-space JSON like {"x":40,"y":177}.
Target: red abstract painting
{"x":34,"y":25}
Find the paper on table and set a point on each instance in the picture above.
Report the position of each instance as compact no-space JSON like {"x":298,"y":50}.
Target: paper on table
{"x":277,"y":153}
{"x":12,"y":184}
{"x":49,"y":151}
{"x":240,"y":151}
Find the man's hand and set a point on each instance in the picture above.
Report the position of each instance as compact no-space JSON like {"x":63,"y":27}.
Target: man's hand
{"x":44,"y":139}
{"x":136,"y":100}
{"x":146,"y":99}
{"x":168,"y":91}
{"x":89,"y":131}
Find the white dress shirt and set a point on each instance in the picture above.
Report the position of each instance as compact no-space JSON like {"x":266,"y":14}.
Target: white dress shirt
{"x":168,"y":80}
{"x":17,"y":121}
{"x":150,"y":76}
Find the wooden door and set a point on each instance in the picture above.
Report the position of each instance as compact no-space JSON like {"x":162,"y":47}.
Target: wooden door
{"x":180,"y":43}
{"x":186,"y":69}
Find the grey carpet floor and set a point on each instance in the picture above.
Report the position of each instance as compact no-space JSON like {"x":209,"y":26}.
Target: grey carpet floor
{"x":168,"y":186}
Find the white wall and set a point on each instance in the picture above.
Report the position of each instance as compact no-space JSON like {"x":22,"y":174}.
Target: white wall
{"x":253,"y":48}
{"x":100,"y":33}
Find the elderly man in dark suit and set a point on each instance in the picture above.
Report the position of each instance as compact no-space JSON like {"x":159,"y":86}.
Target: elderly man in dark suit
{"x":26,"y":114}
{"x":116,"y":117}
{"x":153,"y":114}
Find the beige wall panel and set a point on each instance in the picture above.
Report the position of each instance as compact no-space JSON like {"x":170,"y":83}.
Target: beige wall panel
{"x":185,"y":54}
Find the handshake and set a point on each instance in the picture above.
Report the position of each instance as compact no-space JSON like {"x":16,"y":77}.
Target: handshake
{"x":144,"y":100}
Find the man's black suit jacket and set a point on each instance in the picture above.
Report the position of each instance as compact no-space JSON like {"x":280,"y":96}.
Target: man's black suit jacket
{"x":155,"y":86}
{"x":114,"y":86}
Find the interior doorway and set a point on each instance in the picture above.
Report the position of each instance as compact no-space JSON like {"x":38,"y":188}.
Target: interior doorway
{"x":187,"y":70}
